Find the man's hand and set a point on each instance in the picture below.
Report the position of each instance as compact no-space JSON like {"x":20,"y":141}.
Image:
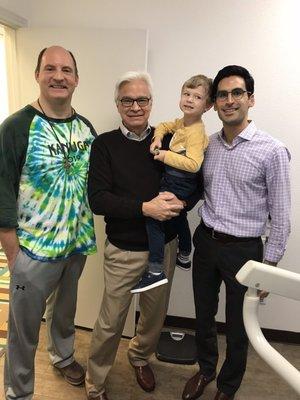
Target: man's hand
{"x":162,"y":207}
{"x":10,"y":244}
{"x":262,"y":293}
{"x":155,"y":145}
{"x":160,"y":156}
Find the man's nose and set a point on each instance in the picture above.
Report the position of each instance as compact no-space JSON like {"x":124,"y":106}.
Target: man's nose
{"x":58,"y":75}
{"x":230,"y":98}
{"x":135,"y":106}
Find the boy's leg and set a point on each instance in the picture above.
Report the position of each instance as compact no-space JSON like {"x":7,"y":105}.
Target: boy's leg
{"x":184,"y":241}
{"x":156,"y":240}
{"x":154,"y":275}
{"x":60,"y":314}
{"x":31,"y":283}
{"x":184,"y":233}
{"x":183,"y":187}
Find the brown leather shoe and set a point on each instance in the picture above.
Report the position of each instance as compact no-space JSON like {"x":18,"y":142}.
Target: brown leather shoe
{"x":101,"y":396}
{"x":145,"y":378}
{"x":73,"y":373}
{"x":194,"y":388}
{"x":222,"y":396}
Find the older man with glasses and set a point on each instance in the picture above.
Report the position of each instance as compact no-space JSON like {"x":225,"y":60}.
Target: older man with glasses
{"x":123,"y":185}
{"x":246,"y":183}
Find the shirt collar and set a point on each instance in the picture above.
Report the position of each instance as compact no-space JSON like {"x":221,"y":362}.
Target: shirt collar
{"x":247,"y":134}
{"x":133,"y":136}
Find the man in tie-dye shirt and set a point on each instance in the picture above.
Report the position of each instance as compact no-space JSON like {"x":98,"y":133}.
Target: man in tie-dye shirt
{"x":46,"y":226}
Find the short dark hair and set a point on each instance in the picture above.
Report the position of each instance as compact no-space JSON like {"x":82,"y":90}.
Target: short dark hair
{"x":231,"y":70}
{"x":40,"y":56}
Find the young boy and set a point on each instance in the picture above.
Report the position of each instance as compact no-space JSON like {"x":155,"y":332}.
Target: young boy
{"x":182,"y":162}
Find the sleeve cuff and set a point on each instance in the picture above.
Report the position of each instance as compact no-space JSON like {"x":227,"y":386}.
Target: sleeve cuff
{"x":273,"y":253}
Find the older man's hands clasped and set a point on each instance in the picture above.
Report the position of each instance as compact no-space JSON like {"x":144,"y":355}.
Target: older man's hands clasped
{"x":163,"y":207}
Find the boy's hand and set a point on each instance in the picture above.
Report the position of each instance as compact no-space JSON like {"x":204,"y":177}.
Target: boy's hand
{"x":155,"y":145}
{"x":160,"y":156}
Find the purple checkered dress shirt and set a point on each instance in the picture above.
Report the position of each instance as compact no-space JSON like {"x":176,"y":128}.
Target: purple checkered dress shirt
{"x":245,"y":183}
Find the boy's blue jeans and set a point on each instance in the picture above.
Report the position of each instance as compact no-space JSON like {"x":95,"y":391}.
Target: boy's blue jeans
{"x":182,"y":187}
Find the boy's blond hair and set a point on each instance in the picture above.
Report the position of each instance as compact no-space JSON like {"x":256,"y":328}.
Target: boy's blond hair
{"x":199,"y":80}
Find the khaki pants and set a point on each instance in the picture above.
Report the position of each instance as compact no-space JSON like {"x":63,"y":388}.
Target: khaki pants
{"x":122,"y":270}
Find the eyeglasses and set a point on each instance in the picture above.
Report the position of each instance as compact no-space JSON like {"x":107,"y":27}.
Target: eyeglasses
{"x":141,"y":101}
{"x":236,"y":94}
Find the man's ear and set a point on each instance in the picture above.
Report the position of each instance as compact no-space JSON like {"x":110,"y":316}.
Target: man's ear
{"x":36,"y":75}
{"x":251,"y":100}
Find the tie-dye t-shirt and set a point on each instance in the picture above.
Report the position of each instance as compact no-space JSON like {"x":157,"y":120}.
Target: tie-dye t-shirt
{"x":53,"y":216}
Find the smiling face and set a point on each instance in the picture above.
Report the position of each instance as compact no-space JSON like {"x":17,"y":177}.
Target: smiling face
{"x":56,"y":77}
{"x":134,"y":117}
{"x":193,"y":102}
{"x":233,"y":113}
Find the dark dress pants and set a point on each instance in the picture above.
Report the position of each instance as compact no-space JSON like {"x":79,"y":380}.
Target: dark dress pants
{"x":214,"y":262}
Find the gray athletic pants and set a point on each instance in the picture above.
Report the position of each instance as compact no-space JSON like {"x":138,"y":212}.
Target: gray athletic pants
{"x":32,"y":284}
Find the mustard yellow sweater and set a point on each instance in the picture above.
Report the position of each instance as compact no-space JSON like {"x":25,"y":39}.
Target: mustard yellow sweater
{"x":187,"y":146}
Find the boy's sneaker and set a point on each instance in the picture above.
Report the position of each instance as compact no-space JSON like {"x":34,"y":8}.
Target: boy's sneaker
{"x":183,"y":264}
{"x":149,"y":281}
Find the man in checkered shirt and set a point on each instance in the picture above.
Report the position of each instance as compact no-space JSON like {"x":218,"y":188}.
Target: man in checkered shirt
{"x":246,"y":188}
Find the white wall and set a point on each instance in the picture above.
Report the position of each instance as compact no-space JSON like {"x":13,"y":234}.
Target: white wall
{"x":193,"y":36}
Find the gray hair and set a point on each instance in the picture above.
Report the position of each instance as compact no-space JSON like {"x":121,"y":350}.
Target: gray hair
{"x":132,"y":76}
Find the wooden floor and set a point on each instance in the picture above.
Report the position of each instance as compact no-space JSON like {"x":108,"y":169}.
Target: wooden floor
{"x":260,"y":382}
{"x":49,"y":384}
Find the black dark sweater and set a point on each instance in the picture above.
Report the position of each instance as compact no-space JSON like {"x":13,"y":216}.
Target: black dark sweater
{"x":122,"y":176}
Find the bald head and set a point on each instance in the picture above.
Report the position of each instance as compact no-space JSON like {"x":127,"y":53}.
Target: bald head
{"x":55,"y":50}
{"x":57,"y":77}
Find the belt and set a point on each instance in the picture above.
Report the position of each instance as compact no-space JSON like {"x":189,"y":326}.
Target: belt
{"x":224,"y":237}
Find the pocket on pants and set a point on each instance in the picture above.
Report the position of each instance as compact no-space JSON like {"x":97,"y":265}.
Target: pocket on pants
{"x":13,"y":267}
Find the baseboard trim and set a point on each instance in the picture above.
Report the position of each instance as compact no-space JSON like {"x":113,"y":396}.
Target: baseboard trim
{"x":272,"y":335}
